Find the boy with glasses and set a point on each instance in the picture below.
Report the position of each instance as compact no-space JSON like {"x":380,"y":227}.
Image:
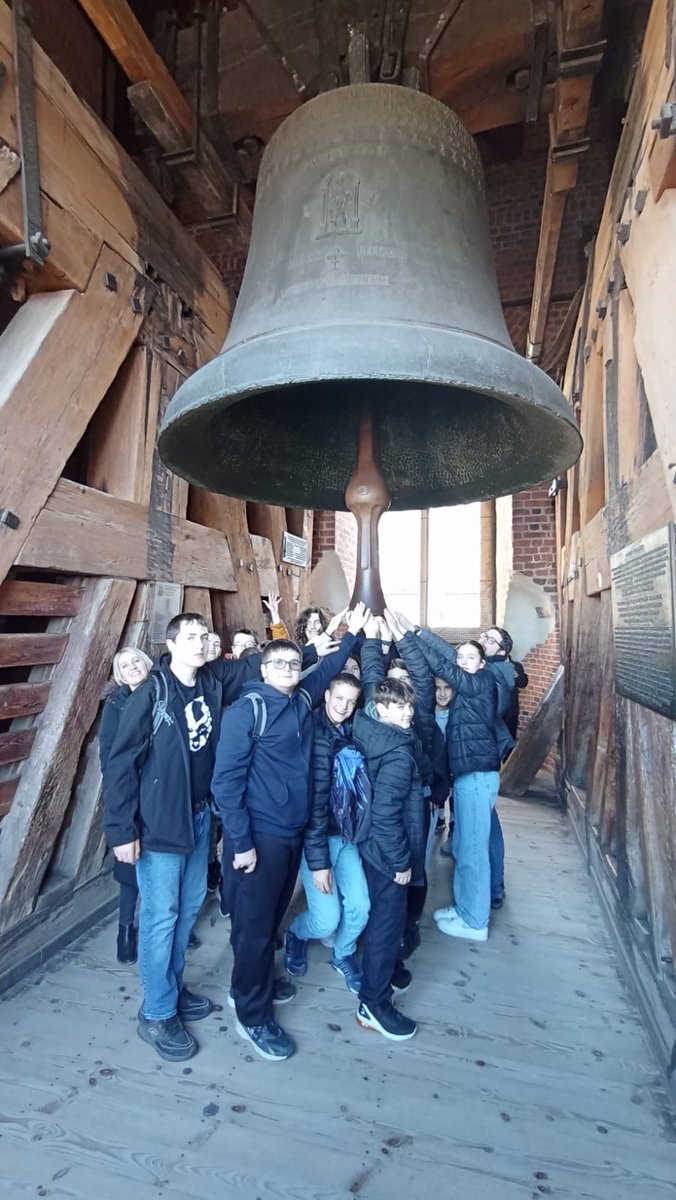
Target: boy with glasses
{"x":261,"y":785}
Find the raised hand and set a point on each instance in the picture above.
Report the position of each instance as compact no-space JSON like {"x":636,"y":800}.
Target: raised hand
{"x":336,"y":621}
{"x":358,"y":617}
{"x":404,"y":623}
{"x":371,"y":628}
{"x":272,"y":604}
{"x":395,"y":629}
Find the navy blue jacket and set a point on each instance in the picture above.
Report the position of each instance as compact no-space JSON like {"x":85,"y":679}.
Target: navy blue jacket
{"x":146,"y":779}
{"x":471,"y":731}
{"x":265,"y":788}
{"x":396,"y":835}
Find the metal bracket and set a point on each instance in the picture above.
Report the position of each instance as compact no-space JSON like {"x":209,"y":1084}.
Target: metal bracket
{"x":665,"y":124}
{"x":431,"y":42}
{"x":8,"y":518}
{"x":581,"y":60}
{"x":569,"y":149}
{"x":394,"y":35}
{"x":35,"y":246}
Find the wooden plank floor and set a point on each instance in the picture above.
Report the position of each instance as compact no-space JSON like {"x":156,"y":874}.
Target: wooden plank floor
{"x":530,"y":1075}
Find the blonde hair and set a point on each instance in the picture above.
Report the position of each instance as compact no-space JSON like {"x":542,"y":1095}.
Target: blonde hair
{"x":128,"y":650}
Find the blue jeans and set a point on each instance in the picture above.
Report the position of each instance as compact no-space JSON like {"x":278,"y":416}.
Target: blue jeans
{"x":496,"y":855}
{"x":172,"y":888}
{"x":345,"y":911}
{"x":474,"y":800}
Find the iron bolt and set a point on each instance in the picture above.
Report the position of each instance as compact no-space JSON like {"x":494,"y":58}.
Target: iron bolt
{"x":665,"y":124}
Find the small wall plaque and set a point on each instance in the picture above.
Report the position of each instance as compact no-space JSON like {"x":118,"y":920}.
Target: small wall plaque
{"x":166,"y":604}
{"x":643,"y":588}
{"x":294,"y":550}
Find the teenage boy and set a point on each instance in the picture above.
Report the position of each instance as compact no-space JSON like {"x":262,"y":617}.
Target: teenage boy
{"x":156,"y":784}
{"x":384,"y":735}
{"x":330,"y":869}
{"x":261,"y":785}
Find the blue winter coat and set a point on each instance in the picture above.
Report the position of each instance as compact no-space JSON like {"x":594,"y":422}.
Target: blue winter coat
{"x":265,"y":787}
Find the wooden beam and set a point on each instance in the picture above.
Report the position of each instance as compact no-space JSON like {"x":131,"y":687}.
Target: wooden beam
{"x":548,"y":247}
{"x":31,"y":649}
{"x":243,"y":605}
{"x":84,"y":532}
{"x":591,"y":477}
{"x":117,"y":462}
{"x":22,"y":699}
{"x":101,"y":191}
{"x":31,"y":827}
{"x":269,"y":521}
{"x":24,"y":598}
{"x":15,"y":745}
{"x":649,"y":264}
{"x":642,"y":505}
{"x":60,"y":353}
{"x":7,"y":790}
{"x":157,"y":98}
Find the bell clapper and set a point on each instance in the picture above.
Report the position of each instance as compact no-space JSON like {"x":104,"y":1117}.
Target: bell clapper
{"x":368,"y":498}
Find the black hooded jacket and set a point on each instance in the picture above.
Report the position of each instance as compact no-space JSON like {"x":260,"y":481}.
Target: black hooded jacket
{"x":147,"y":785}
{"x":328,"y":740}
{"x":471,"y":731}
{"x":396,"y":837}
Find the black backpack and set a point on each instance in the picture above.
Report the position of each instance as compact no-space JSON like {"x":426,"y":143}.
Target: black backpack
{"x":351,"y":794}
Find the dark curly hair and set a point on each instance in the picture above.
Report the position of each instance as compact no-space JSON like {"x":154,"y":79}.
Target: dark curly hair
{"x":301,"y":623}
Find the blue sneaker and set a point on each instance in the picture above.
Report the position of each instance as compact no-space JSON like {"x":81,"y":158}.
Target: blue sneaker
{"x":295,"y":954}
{"x":350,"y":970}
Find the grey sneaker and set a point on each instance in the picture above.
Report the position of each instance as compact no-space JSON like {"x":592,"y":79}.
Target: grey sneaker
{"x":169,"y":1038}
{"x":269,"y":1040}
{"x":350,"y":970}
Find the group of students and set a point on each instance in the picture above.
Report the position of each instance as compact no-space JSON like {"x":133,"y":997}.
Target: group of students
{"x":258,"y":738}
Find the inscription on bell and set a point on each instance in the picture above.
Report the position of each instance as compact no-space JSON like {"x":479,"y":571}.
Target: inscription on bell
{"x":340,"y":208}
{"x":643,"y":587}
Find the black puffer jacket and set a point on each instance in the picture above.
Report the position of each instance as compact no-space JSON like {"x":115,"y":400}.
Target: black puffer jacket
{"x":115,"y":698}
{"x":433,"y":740}
{"x":471,"y":730}
{"x":374,"y":667}
{"x":328,"y":740}
{"x":396,"y":838}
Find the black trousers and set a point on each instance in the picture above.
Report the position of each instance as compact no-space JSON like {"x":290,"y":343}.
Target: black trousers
{"x":257,"y":905}
{"x":382,"y":939}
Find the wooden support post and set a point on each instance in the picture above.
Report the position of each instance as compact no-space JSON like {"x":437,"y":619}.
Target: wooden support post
{"x":161,"y":105}
{"x":60,"y":353}
{"x":269,"y":521}
{"x":31,"y":826}
{"x":243,"y":605}
{"x":548,"y":248}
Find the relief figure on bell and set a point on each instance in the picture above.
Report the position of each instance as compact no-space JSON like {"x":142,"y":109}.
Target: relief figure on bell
{"x":340,"y":208}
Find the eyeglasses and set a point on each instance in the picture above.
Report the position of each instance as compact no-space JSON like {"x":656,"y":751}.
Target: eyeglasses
{"x":284,"y":664}
{"x":487,"y":637}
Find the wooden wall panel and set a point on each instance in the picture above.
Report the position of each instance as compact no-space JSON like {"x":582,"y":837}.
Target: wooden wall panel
{"x":65,"y":350}
{"x":34,"y":820}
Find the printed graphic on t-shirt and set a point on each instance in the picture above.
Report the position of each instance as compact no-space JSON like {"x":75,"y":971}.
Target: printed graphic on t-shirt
{"x":199,"y":723}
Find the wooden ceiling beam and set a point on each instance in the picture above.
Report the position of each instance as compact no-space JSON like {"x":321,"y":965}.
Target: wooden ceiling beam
{"x":580,"y":51}
{"x":162,"y":106}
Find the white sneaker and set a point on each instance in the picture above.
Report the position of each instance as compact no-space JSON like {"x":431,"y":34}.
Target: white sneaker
{"x":444,"y":914}
{"x":455,"y":927}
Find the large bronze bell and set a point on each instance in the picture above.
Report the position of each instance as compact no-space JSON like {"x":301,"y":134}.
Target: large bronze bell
{"x":369,"y":284}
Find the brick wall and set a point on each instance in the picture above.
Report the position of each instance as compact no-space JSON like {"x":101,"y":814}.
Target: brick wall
{"x":534,"y":555}
{"x":323,"y":534}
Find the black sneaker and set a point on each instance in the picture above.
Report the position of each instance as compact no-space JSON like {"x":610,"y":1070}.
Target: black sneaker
{"x":441,"y":824}
{"x":127,"y":950}
{"x":192,"y":1007}
{"x":283,"y":990}
{"x":169,"y":1038}
{"x":269,"y":1040}
{"x":295,"y":954}
{"x":194,"y":942}
{"x":213,"y":876}
{"x":401,"y":980}
{"x":223,"y":907}
{"x":499,"y":900}
{"x":350,"y":970}
{"x":386,"y":1019}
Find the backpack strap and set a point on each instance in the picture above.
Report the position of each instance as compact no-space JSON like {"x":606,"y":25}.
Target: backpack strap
{"x":260,"y":715}
{"x":161,"y":699}
{"x":306,"y":697}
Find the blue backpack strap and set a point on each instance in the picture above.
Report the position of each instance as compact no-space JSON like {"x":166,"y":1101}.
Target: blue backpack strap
{"x":260,"y":715}
{"x":161,"y":694}
{"x":306,"y":697}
